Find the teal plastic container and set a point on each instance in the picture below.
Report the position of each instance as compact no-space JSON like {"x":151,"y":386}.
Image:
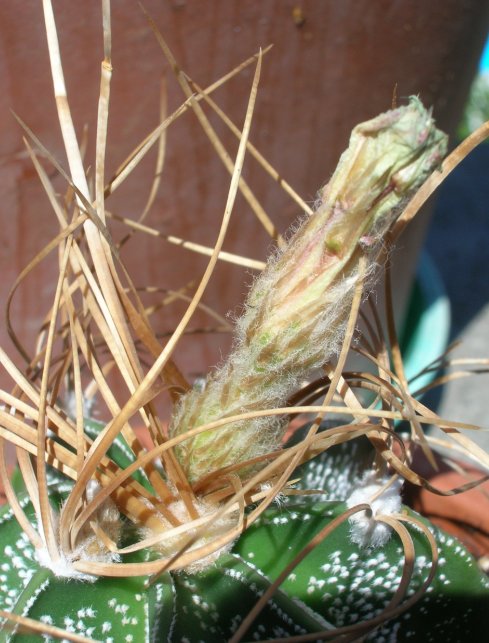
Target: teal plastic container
{"x":426,"y":331}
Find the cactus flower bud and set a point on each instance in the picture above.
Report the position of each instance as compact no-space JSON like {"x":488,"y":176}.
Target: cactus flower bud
{"x":296,"y":312}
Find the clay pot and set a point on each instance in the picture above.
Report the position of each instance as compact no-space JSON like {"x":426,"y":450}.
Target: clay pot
{"x":464,"y":515}
{"x":333,"y":64}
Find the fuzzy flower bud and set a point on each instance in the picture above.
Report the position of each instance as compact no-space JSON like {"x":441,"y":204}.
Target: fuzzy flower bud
{"x":296,"y":311}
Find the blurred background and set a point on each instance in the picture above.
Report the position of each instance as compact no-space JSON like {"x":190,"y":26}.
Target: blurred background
{"x":458,"y":242}
{"x":333,"y":64}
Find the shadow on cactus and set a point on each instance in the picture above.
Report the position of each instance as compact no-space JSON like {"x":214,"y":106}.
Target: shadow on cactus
{"x":221,"y":527}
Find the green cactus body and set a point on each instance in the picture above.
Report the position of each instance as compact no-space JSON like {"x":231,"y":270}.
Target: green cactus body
{"x":296,"y":312}
{"x":338,"y":584}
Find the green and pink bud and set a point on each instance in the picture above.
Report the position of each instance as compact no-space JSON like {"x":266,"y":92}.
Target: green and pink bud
{"x":296,"y":312}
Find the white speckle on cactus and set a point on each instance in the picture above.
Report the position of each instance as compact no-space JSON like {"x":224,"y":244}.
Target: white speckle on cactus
{"x":46,"y":618}
{"x":121,"y":609}
{"x":365,"y":529}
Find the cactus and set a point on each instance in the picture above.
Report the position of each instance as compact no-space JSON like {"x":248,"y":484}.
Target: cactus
{"x":175,"y":537}
{"x":338,"y":584}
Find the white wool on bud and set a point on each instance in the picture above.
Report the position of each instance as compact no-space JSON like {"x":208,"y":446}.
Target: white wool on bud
{"x":365,"y":529}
